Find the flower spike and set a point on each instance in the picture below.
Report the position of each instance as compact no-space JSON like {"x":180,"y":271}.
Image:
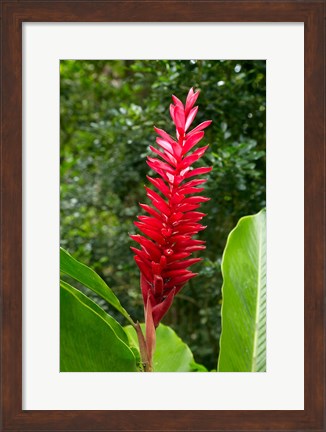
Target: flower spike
{"x":167,"y":242}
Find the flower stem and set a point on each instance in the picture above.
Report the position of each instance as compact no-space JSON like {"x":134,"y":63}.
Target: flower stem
{"x":147,"y":363}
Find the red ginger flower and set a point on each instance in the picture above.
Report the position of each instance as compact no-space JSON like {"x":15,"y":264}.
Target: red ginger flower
{"x":173,"y":220}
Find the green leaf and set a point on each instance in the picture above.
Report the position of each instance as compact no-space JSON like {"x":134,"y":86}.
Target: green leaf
{"x":88,"y":277}
{"x":243,"y":338}
{"x":171,"y":353}
{"x":90,"y":339}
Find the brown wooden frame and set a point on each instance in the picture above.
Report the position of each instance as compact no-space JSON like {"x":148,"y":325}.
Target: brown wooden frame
{"x":14,"y":13}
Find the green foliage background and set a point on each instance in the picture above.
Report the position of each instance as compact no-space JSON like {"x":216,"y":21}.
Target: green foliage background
{"x":107,"y":113}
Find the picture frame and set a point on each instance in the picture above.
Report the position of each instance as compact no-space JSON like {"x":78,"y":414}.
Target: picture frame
{"x":14,"y":13}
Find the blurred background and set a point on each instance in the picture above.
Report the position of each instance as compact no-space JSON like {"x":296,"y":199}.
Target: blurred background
{"x":107,"y":113}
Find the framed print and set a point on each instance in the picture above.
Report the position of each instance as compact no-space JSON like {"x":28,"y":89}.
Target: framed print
{"x":120,"y":62}
{"x":42,"y":90}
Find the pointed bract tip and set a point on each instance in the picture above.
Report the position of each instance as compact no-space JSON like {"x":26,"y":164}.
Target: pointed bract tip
{"x":190,"y":92}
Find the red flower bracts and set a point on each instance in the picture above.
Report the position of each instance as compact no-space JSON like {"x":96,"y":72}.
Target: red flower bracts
{"x":173,"y":219}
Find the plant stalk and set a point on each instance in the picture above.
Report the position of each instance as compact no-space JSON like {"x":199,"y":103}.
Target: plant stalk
{"x":146,"y":361}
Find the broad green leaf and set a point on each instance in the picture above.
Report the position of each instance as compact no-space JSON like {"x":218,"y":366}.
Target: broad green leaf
{"x":171,"y":353}
{"x":118,"y":329}
{"x":243,"y":338}
{"x":90,"y":339}
{"x":88,"y":277}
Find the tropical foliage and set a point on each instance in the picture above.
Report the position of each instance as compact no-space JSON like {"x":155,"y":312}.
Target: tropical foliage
{"x":108,"y":109}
